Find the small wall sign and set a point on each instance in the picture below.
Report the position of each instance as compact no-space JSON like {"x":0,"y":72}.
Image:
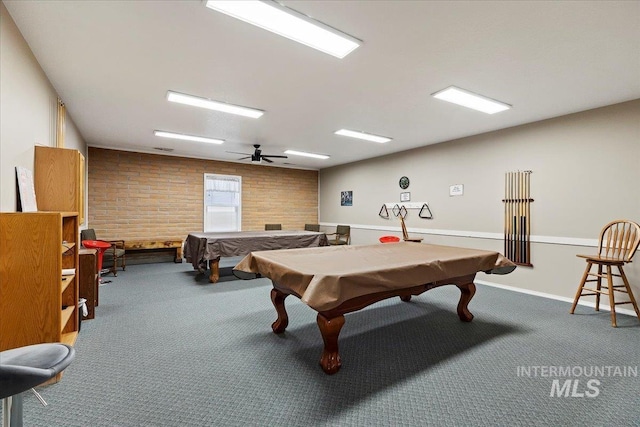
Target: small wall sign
{"x":456,"y":190}
{"x":405,"y":197}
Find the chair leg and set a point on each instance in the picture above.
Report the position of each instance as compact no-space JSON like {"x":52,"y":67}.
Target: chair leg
{"x":612,"y":299}
{"x":582,"y":282}
{"x":628,"y":287}
{"x":598,"y":287}
{"x":114,"y":269}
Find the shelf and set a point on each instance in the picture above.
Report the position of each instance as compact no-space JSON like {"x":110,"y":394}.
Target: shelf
{"x":46,"y":283}
{"x":65,"y":281}
{"x":66,"y":315}
{"x":69,"y":338}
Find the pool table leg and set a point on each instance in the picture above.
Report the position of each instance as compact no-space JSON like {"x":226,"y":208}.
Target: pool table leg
{"x":330,"y":329}
{"x":277,"y":298}
{"x":466,"y":293}
{"x":214,"y":265}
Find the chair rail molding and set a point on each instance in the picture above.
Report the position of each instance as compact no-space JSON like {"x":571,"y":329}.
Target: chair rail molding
{"x":551,"y":240}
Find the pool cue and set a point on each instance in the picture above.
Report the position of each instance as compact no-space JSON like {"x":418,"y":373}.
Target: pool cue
{"x":518,"y":204}
{"x":508,"y":217}
{"x":523,"y":249}
{"x":511,"y":219}
{"x":517,"y":216}
{"x":513,"y":216}
{"x":528,"y":186}
{"x":506,"y":210}
{"x":524,"y":218}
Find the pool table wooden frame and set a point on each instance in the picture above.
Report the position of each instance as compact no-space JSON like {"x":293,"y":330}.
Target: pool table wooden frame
{"x":330,"y":322}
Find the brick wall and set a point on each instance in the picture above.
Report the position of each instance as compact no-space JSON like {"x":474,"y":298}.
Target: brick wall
{"x":146,"y":196}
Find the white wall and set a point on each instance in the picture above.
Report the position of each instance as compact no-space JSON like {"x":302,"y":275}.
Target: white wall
{"x":586,"y":172}
{"x":28,"y":109}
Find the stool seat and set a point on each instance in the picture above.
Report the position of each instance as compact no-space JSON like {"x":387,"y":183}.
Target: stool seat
{"x":25,"y":367}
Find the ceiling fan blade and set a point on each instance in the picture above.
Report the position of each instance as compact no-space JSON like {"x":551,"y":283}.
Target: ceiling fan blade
{"x":235,"y":152}
{"x":279,"y":157}
{"x":267,"y":160}
{"x":243,"y":158}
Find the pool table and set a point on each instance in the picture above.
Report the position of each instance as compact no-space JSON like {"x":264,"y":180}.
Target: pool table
{"x":341,"y":279}
{"x":203,"y":248}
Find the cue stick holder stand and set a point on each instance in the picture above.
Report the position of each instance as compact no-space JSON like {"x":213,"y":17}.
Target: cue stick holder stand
{"x":517,"y":217}
{"x":401,"y":209}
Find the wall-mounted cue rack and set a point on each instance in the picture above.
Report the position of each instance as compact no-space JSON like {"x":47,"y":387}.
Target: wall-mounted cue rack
{"x":517,"y":217}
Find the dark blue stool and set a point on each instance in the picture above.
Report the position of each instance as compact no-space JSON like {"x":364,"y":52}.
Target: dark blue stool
{"x":22,"y":369}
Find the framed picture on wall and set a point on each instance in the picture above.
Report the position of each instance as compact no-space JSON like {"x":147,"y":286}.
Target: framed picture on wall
{"x":346,"y":198}
{"x":405,"y":197}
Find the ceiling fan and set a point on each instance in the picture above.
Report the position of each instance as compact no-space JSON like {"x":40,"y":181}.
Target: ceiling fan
{"x":257,"y":156}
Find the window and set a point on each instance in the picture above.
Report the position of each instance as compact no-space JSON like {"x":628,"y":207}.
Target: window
{"x":222,"y":202}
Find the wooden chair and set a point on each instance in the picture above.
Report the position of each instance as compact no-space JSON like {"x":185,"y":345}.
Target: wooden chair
{"x":273,"y":227}
{"x":619,"y":241}
{"x":312,"y":227}
{"x":112,"y":255}
{"x":405,"y":235}
{"x":343,"y":235}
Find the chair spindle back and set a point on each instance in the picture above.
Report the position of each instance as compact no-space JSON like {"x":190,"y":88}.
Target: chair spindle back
{"x":619,"y":240}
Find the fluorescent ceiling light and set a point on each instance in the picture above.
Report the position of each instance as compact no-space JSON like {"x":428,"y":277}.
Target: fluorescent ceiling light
{"x":362,"y":135}
{"x":471,"y":100}
{"x":303,"y":154}
{"x":288,"y":23}
{"x":187,"y":137}
{"x":196,"y":101}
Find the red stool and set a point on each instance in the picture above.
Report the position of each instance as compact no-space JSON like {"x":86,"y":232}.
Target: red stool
{"x":101,"y":247}
{"x":389,"y":239}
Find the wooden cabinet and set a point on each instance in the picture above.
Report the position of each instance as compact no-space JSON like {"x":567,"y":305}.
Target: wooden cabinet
{"x":88,"y":279}
{"x":39,"y":287}
{"x":59,"y":180}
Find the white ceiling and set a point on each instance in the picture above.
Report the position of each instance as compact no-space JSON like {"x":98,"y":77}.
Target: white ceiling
{"x":112,"y":63}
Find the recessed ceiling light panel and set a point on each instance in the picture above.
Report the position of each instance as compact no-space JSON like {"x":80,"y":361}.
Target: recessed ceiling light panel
{"x":196,"y":101}
{"x":182,"y":136}
{"x":288,"y":23}
{"x":305,"y":154}
{"x":362,"y":135}
{"x":471,"y":100}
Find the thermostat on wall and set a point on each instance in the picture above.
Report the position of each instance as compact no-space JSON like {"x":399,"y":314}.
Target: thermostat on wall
{"x":456,"y":190}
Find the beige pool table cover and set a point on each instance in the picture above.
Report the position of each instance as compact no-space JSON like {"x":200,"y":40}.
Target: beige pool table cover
{"x":326,"y":277}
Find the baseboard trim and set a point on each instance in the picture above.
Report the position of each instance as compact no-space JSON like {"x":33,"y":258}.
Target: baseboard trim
{"x":603,"y":307}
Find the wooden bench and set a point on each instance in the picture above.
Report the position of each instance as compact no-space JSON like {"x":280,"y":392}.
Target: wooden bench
{"x":140,"y":245}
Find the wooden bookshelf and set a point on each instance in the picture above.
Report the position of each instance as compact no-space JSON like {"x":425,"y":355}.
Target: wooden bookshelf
{"x":59,"y":180}
{"x":37,"y":303}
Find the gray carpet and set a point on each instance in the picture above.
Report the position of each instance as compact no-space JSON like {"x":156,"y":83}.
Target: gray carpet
{"x":167,"y":348}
